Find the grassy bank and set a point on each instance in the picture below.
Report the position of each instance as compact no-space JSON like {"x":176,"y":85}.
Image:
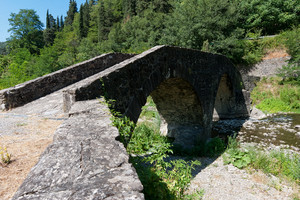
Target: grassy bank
{"x":274,"y":95}
{"x":277,"y":162}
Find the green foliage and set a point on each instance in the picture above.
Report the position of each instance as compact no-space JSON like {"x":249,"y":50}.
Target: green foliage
{"x":3,"y":48}
{"x":84,"y":22}
{"x":71,"y":12}
{"x":147,"y":141}
{"x":161,"y":179}
{"x":288,"y":101}
{"x":86,"y":50}
{"x":51,"y":28}
{"x":26,"y":31}
{"x":291,"y":73}
{"x":282,"y":97}
{"x":214,"y":146}
{"x":5,"y":156}
{"x":270,"y":16}
{"x":17,"y":71}
{"x":278,"y":163}
{"x":273,"y":105}
{"x":239,"y":159}
{"x":236,"y":156}
{"x":125,"y":127}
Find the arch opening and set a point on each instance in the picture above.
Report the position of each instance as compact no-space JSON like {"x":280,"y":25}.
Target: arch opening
{"x":180,"y":111}
{"x":225,"y":100}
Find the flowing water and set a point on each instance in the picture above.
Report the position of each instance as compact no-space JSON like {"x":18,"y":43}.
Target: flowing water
{"x":277,"y":131}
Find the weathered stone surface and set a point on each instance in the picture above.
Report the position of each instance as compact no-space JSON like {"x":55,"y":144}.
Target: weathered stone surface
{"x":257,"y":114}
{"x":34,"y":89}
{"x":130,"y":82}
{"x":84,"y":162}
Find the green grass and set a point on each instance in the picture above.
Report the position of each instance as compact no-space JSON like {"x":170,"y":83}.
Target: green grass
{"x":272,"y":95}
{"x":277,"y":162}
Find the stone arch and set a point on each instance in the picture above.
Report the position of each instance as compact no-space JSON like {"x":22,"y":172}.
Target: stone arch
{"x":224,"y":100}
{"x":130,"y":83}
{"x":180,"y":111}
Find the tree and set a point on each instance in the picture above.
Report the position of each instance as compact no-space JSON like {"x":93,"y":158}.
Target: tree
{"x":129,"y":7}
{"x":270,"y":16}
{"x":51,"y":27}
{"x":71,"y":12}
{"x":57,"y":24}
{"x":101,"y":23}
{"x":26,"y":30}
{"x":61,"y":22}
{"x":84,"y":20}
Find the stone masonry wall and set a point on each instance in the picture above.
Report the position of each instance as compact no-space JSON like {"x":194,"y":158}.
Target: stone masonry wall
{"x":34,"y":89}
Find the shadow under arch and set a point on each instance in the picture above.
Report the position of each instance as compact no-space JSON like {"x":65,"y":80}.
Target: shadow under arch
{"x":180,"y":111}
{"x":230,"y":110}
{"x":224,"y":100}
{"x":230,"y":102}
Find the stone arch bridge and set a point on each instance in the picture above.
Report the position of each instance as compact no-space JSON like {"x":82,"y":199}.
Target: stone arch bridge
{"x":190,"y":88}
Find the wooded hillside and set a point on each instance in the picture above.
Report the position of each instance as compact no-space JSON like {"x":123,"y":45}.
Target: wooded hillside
{"x":132,"y":26}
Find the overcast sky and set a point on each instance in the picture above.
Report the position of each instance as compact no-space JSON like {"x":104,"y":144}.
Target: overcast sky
{"x":56,"y":8}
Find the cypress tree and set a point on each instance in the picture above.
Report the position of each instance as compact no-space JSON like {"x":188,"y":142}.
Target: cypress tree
{"x":57,"y":24}
{"x":49,"y":32}
{"x":71,"y":12}
{"x":86,"y":17}
{"x":47,"y":20}
{"x":101,"y":23}
{"x":61,"y":23}
{"x":81,"y":26}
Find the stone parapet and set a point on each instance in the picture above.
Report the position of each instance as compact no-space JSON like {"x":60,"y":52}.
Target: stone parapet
{"x":39,"y":87}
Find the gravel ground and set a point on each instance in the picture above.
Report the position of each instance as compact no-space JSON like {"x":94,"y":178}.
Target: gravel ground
{"x":269,"y":65}
{"x":227,"y":182}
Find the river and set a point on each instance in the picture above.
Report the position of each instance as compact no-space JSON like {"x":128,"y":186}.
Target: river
{"x":274,"y":132}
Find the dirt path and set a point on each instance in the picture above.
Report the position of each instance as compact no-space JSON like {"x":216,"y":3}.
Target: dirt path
{"x":26,"y":132}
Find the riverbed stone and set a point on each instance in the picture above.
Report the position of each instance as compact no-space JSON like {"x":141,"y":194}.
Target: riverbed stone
{"x":257,"y":114}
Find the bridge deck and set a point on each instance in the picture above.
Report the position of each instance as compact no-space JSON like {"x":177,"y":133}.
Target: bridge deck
{"x":84,"y":161}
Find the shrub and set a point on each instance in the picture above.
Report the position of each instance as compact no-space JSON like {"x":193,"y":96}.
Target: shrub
{"x":5,"y":156}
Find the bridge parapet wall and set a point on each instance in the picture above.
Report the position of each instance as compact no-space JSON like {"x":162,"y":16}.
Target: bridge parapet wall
{"x":39,"y":87}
